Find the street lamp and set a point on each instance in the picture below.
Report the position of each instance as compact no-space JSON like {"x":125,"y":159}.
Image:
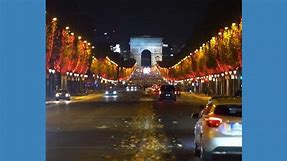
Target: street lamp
{"x":79,"y":37}
{"x":54,"y":19}
{"x":67,"y":28}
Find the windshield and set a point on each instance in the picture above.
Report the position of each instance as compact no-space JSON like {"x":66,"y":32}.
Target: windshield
{"x":62,"y":91}
{"x":229,"y":110}
{"x":167,"y":88}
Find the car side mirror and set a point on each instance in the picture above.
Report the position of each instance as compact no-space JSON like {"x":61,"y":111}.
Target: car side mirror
{"x":194,"y":115}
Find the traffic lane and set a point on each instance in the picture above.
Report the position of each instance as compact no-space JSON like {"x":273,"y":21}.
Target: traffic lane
{"x":178,"y":124}
{"x":90,"y":97}
{"x":101,"y":97}
{"x":95,"y":130}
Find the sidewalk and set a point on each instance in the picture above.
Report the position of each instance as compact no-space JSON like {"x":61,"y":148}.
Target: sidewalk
{"x":199,"y":96}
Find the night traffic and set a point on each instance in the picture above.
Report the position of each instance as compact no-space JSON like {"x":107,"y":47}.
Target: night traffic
{"x":159,"y":82}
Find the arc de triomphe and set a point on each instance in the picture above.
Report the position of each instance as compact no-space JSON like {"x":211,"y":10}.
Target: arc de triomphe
{"x":140,"y":44}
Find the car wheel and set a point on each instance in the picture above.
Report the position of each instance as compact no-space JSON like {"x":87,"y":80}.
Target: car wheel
{"x":196,"y":151}
{"x":57,"y":99}
{"x":204,"y":156}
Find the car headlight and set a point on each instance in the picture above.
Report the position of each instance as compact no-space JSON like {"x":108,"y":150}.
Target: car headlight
{"x":57,"y":94}
{"x":106,"y":92}
{"x":67,"y":95}
{"x":114,"y":92}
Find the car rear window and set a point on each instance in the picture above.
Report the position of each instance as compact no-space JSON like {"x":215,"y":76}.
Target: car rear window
{"x":167,"y":88}
{"x":62,"y":91}
{"x":229,"y":110}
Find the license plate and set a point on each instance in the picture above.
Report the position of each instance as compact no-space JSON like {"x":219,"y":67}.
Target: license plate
{"x":236,"y":126}
{"x":167,"y":94}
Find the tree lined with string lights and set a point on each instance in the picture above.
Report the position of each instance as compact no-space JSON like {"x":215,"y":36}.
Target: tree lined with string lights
{"x":107,"y":69}
{"x":221,"y":54}
{"x":65,"y":53}
{"x":51,"y":29}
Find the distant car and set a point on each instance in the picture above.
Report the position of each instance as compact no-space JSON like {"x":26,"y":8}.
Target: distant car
{"x":167,"y":92}
{"x":62,"y":94}
{"x":177,"y":92}
{"x":148,"y":90}
{"x":219,"y":129}
{"x":111,"y":92}
{"x":131,"y":88}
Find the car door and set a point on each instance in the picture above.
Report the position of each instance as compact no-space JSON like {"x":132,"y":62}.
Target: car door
{"x":199,"y":124}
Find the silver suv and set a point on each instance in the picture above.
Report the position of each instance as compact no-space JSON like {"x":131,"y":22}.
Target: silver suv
{"x":219,"y":129}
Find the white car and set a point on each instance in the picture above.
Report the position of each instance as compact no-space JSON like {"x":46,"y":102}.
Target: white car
{"x":219,"y":129}
{"x":111,"y":92}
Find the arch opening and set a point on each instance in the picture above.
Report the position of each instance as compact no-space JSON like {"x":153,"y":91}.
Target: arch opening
{"x":146,"y":58}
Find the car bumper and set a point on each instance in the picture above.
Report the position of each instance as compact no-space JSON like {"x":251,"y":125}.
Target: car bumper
{"x":223,"y":145}
{"x":164,"y":97}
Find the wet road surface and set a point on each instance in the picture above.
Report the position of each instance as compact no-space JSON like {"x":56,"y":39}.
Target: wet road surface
{"x":132,"y":127}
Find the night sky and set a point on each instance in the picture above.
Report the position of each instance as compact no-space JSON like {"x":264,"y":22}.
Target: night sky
{"x":174,"y":21}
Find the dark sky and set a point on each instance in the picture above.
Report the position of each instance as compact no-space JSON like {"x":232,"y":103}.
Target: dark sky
{"x":175,"y":21}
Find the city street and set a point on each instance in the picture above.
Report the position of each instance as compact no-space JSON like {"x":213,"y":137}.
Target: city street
{"x":133,"y":126}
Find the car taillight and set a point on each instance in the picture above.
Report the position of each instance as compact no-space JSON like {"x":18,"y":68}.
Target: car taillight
{"x":159,"y":92}
{"x":174,"y":92}
{"x":213,"y":121}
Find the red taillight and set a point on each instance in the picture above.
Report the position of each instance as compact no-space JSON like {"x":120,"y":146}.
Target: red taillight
{"x":213,"y":121}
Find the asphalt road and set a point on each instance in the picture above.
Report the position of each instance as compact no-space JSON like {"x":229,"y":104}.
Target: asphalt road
{"x":132,"y":127}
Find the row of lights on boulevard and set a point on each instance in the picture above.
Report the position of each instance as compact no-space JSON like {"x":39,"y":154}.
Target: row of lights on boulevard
{"x":52,"y":71}
{"x":213,"y":77}
{"x":79,"y":37}
{"x":77,"y":75}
